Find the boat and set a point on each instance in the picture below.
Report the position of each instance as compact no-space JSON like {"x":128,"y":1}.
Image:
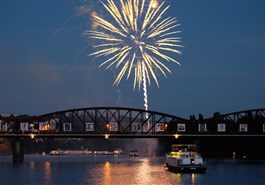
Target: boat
{"x":118,"y":152}
{"x":133,"y":153}
{"x":184,"y":158}
{"x":85,"y":152}
{"x":71,"y":152}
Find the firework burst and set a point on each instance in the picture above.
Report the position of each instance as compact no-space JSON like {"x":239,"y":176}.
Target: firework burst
{"x":136,"y":38}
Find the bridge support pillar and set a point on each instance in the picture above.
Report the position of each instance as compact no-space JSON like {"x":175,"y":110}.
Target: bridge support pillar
{"x":18,"y":151}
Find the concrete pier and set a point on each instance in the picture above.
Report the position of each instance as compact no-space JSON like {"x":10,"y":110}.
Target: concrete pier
{"x":18,"y":151}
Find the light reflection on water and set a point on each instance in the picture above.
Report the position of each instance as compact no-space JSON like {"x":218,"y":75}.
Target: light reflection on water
{"x":47,"y":174}
{"x":137,"y":171}
{"x":107,"y":173}
{"x":110,"y":170}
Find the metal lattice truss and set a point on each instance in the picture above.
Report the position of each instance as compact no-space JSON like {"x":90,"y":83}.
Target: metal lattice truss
{"x":131,"y":122}
{"x":100,"y":121}
{"x":251,"y":114}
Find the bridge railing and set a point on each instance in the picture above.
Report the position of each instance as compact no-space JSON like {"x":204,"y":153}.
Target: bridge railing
{"x":138,"y":129}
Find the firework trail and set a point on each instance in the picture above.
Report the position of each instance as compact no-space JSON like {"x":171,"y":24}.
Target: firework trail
{"x":145,"y":93}
{"x":136,"y":36}
{"x":144,"y":88}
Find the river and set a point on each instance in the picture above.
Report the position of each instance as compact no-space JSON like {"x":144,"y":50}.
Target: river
{"x":124,"y":170}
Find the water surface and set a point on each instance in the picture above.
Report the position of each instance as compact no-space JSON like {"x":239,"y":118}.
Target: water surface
{"x":121,"y":170}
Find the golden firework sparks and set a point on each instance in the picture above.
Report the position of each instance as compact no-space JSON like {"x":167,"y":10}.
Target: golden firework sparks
{"x":137,"y":36}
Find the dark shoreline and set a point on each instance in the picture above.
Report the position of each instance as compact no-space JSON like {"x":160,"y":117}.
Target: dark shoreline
{"x":209,"y":147}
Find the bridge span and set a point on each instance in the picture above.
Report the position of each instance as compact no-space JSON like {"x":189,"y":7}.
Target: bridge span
{"x":131,"y":122}
{"x":93,"y":122}
{"x":121,"y":122}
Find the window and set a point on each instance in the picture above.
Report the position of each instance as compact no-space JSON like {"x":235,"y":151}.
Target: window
{"x":3,"y":127}
{"x":136,"y":127}
{"x":221,"y":127}
{"x":24,"y":126}
{"x":160,"y":127}
{"x":90,"y":127}
{"x":243,"y":127}
{"x":53,"y":123}
{"x":202,"y":127}
{"x":43,"y":126}
{"x":181,"y":127}
{"x":114,"y":127}
{"x":67,"y":127}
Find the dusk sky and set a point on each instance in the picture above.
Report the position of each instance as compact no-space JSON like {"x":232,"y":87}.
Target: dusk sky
{"x":46,"y":67}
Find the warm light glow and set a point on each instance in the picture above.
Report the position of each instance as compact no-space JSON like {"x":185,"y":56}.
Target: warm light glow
{"x":107,"y":165}
{"x":32,"y":136}
{"x":176,"y":136}
{"x":44,"y":126}
{"x":47,"y":173}
{"x":107,"y":173}
{"x":144,"y":170}
{"x":177,"y":154}
{"x":234,"y":155}
{"x":193,"y":178}
{"x":106,"y":136}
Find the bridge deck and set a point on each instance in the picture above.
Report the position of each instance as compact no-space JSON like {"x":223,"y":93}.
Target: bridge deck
{"x":123,"y":135}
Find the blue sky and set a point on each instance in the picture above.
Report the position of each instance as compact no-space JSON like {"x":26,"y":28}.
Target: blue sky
{"x":45,"y":65}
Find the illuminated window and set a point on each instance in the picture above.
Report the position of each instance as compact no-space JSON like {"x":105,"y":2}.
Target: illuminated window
{"x":160,"y":127}
{"x":43,"y":125}
{"x":114,"y":126}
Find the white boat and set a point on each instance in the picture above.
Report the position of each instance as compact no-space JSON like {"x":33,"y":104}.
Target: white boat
{"x":118,"y":152}
{"x":184,"y":158}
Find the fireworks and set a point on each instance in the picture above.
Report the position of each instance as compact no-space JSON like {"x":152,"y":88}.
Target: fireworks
{"x":136,"y":37}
